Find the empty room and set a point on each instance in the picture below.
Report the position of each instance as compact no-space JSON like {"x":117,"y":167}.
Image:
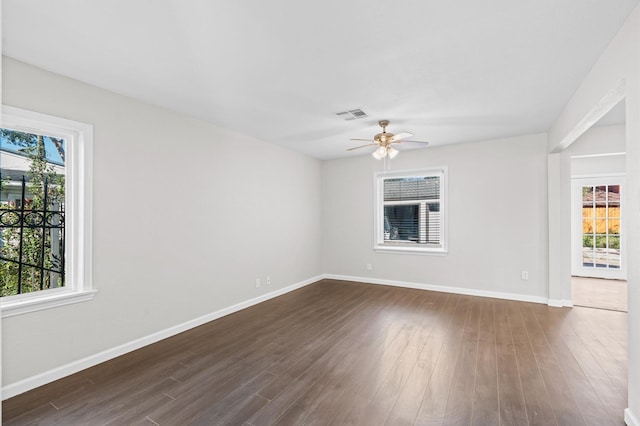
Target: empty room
{"x":332,"y":213}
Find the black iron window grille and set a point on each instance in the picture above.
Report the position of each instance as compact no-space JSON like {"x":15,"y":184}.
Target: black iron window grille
{"x":31,"y":244}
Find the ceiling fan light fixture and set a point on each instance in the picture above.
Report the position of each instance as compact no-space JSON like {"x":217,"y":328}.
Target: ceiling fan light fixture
{"x":380,"y":153}
{"x":392,"y":152}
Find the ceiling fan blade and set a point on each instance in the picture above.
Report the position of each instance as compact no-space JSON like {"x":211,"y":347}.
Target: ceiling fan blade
{"x":401,"y":135}
{"x":362,"y":146}
{"x":366,"y":140}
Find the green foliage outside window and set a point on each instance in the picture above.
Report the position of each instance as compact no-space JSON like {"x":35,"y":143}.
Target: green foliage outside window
{"x":40,"y":170}
{"x":601,"y":241}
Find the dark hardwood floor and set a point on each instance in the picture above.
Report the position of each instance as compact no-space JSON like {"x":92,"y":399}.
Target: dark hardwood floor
{"x":337,"y":353}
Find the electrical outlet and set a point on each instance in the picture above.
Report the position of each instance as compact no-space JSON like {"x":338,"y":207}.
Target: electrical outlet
{"x":258,"y":283}
{"x":369,"y":267}
{"x":524,"y":275}
{"x":268,"y":280}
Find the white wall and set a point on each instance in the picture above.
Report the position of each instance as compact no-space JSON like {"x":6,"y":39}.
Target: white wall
{"x":587,"y":151}
{"x":186,"y":216}
{"x":599,"y":140}
{"x":497,"y":219}
{"x":615,"y":75}
{"x":590,"y":166}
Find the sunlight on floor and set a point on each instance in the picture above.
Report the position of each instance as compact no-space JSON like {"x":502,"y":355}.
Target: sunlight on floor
{"x":599,"y":293}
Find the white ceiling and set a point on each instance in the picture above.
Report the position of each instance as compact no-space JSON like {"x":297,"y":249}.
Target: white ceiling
{"x":279,"y":70}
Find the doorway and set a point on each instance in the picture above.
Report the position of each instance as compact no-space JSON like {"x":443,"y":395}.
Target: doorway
{"x":598,"y":251}
{"x":598,"y":243}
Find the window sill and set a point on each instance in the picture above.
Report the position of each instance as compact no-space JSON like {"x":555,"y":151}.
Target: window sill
{"x":431,"y":251}
{"x":18,"y":305}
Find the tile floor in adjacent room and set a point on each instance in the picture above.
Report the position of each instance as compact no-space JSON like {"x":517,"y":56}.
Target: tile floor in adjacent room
{"x":599,"y":293}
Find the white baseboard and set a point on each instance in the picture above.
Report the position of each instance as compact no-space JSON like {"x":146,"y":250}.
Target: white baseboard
{"x":560,"y":303}
{"x":444,"y":289}
{"x":33,"y":382}
{"x":630,"y":419}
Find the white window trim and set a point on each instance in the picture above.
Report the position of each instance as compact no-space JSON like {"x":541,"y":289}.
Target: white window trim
{"x":78,"y":216}
{"x":378,"y":232}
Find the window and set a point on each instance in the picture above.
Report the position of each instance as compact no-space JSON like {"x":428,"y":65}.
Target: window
{"x":601,"y":226}
{"x":598,"y":246}
{"x":45,"y":211}
{"x":411,"y":211}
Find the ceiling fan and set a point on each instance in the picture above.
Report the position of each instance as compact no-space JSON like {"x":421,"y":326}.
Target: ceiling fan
{"x":384,"y":141}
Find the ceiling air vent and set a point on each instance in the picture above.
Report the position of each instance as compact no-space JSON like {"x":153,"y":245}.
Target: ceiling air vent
{"x":352,"y":114}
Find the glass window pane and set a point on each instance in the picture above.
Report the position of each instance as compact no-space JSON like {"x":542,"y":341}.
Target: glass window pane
{"x":588,"y":253}
{"x":614,"y":244}
{"x":588,"y":226}
{"x":601,"y":212}
{"x":401,"y":222}
{"x":614,"y":209}
{"x":614,"y":226}
{"x":33,"y":196}
{"x":587,"y":195}
{"x":613,"y":252}
{"x":613,"y":192}
{"x":601,"y":241}
{"x":412,"y":188}
{"x":601,"y":226}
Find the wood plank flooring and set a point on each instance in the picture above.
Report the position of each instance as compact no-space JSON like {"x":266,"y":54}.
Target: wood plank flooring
{"x":341,"y":353}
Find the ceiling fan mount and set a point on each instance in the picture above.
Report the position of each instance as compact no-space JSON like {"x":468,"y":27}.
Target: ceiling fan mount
{"x":384,"y":137}
{"x":384,"y":140}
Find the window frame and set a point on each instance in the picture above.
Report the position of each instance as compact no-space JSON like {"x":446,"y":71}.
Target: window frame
{"x":379,"y":244}
{"x":78,"y":210}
